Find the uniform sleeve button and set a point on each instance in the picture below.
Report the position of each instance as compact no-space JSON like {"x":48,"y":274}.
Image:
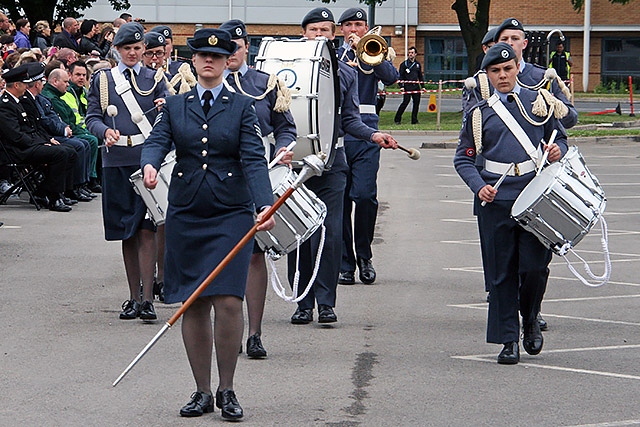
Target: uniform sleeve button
{"x":204,"y":153}
{"x":205,"y":140}
{"x":180,"y":174}
{"x":229,"y":174}
{"x":204,"y":166}
{"x":205,"y":126}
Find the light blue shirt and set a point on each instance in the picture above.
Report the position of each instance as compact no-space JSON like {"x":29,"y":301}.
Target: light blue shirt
{"x":215,"y":91}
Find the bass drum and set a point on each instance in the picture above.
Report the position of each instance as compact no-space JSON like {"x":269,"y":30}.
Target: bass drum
{"x":309,"y":68}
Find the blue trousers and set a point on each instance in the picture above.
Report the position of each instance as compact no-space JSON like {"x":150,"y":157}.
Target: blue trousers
{"x":516,"y":265}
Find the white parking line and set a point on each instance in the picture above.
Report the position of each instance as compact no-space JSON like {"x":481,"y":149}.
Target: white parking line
{"x":610,"y":424}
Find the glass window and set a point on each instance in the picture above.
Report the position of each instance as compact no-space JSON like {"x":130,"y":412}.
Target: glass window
{"x":620,"y":59}
{"x":445,"y":58}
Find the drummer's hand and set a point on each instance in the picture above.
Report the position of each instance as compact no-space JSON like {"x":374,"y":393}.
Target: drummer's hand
{"x":267,"y":225}
{"x":554,"y":152}
{"x":384,"y":140}
{"x":150,"y":179}
{"x":287,"y":158}
{"x":487,"y":193}
{"x":111,"y":136}
{"x":159,"y":103}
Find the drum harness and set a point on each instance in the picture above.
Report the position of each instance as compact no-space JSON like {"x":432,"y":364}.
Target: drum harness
{"x":559,"y":110}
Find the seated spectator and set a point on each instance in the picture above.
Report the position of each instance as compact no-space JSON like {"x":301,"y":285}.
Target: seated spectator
{"x":26,"y":145}
{"x":4,"y":24}
{"x":76,"y":99}
{"x":8,"y":45}
{"x":67,"y":56}
{"x":52,"y":65}
{"x":42,"y":36}
{"x":46,"y":122}
{"x":69,"y":35}
{"x":21,"y":37}
{"x":55,"y":88}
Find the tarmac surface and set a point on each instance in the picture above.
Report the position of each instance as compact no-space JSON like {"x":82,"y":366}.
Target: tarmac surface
{"x":407,"y":351}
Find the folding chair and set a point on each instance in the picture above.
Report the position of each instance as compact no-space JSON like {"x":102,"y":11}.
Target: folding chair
{"x":26,"y":177}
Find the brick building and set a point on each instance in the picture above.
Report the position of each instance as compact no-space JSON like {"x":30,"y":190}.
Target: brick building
{"x":430,"y":25}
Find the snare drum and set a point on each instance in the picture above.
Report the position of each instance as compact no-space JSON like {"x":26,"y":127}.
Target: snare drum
{"x":309,"y":68}
{"x":558,"y":207}
{"x":576,"y":166}
{"x":296,"y":220}
{"x":157,"y":200}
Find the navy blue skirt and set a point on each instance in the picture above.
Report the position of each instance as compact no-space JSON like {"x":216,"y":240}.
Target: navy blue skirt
{"x":123,"y":210}
{"x":198,"y":237}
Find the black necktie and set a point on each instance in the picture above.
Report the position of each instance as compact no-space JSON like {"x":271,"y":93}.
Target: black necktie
{"x":127,"y":74}
{"x":207,"y":96}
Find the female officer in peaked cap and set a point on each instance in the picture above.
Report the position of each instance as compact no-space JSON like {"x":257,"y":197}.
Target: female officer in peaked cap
{"x":219,"y":182}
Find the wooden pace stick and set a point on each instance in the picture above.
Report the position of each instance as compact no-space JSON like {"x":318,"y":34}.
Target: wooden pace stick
{"x":308,"y":171}
{"x":504,"y":175}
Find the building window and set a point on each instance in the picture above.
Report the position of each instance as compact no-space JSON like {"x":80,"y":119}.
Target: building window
{"x":620,"y":59}
{"x":445,"y":58}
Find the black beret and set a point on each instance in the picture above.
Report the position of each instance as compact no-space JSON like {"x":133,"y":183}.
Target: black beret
{"x":164,"y":30}
{"x":508,"y":24}
{"x":212,"y":40}
{"x":153,"y":39}
{"x":129,"y":33}
{"x":17,"y":74}
{"x":488,"y":38}
{"x":353,"y":14}
{"x":497,"y":54}
{"x":319,"y":14}
{"x":35,"y":72}
{"x":235,"y":27}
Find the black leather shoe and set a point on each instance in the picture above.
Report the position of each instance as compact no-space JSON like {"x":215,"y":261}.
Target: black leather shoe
{"x":226,"y":400}
{"x":326,"y":314}
{"x":67,"y":201}
{"x":158,"y":290}
{"x":59,"y":206}
{"x":543,"y":323}
{"x":82,"y":196}
{"x":366,"y":271}
{"x":199,"y":404}
{"x":41,"y":200}
{"x":130,"y":309}
{"x":302,"y":317}
{"x":397,"y":123}
{"x":147,"y":312}
{"x":532,"y":340}
{"x":510,"y":354}
{"x":94,"y":186}
{"x":85,"y":191}
{"x":346,"y":278}
{"x":255,"y":350}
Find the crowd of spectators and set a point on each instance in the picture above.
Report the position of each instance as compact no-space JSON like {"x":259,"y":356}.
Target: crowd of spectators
{"x":70,"y":55}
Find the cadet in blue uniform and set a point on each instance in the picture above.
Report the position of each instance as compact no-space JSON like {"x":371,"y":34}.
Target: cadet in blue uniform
{"x":219,"y":181}
{"x":530,"y":76}
{"x":171,"y":66}
{"x":330,"y":188}
{"x":130,"y":88}
{"x":514,"y":260}
{"x":363,"y":157}
{"x":274,"y":119}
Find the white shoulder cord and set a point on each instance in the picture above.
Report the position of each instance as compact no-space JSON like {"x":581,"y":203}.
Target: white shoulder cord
{"x":275,"y":280}
{"x":607,"y":260}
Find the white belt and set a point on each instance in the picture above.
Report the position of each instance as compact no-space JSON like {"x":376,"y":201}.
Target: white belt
{"x":367,"y":109}
{"x":130,"y":140}
{"x":340,"y":142}
{"x":500,"y":168}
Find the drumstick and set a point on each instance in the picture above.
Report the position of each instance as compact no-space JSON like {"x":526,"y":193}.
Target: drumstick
{"x":546,"y":152}
{"x":112,"y":111}
{"x":281,"y":154}
{"x":504,"y":175}
{"x":310,"y":169}
{"x":137,"y":116}
{"x":411,"y":152}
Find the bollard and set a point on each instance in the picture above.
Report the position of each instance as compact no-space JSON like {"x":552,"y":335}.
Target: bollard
{"x":631,"y":96}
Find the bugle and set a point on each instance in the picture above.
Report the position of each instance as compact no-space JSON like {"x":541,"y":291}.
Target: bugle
{"x":372,"y":48}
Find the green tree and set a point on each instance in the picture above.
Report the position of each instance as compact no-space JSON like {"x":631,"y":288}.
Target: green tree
{"x":473,"y":30}
{"x":53,"y":11}
{"x":577,"y":4}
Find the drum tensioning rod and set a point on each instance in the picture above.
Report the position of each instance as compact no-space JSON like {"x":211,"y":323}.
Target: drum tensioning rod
{"x":311,"y":168}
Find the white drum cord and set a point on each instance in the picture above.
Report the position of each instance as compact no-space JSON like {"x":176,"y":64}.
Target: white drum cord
{"x":604,"y":279}
{"x":277,"y":284}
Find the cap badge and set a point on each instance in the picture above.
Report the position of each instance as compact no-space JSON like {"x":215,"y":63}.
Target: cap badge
{"x":504,"y":53}
{"x":515,"y":22}
{"x":137,"y":36}
{"x":161,"y":39}
{"x":324,"y":14}
{"x":166,"y":33}
{"x":213,"y":40}
{"x":358,"y":14}
{"x":239,"y":31}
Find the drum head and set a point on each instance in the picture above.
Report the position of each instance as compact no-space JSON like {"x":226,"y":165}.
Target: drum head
{"x":536,"y":188}
{"x":309,"y":68}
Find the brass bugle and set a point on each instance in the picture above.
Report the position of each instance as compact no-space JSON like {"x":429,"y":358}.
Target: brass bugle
{"x":372,"y":49}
